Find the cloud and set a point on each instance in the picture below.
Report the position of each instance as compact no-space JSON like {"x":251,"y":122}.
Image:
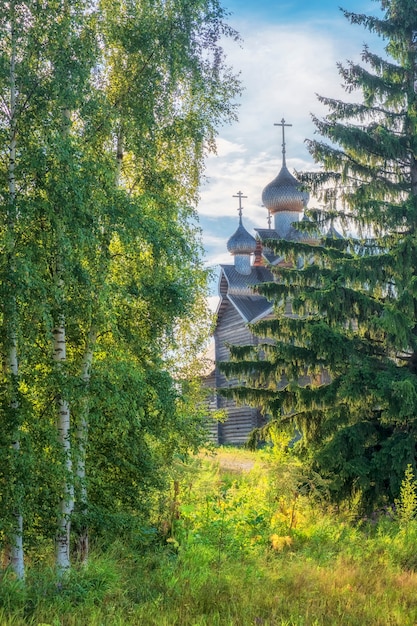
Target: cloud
{"x":226,"y":148}
{"x":283,"y":67}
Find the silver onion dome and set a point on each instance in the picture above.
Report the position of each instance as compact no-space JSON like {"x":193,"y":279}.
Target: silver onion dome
{"x":241,"y":242}
{"x":284,"y":193}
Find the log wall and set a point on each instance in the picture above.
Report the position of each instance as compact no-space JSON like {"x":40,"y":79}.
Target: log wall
{"x":241,"y":419}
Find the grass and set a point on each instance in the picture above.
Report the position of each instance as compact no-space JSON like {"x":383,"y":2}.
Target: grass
{"x":240,"y":547}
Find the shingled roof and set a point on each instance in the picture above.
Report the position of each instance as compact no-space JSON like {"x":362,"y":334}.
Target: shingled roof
{"x":239,"y":290}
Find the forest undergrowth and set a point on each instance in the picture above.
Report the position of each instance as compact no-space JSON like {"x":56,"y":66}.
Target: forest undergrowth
{"x":241,"y":539}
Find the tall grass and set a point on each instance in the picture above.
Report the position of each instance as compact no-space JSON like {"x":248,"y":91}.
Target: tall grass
{"x":235,"y":548}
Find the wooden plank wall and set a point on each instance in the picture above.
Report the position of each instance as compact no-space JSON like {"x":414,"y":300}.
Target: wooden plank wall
{"x":212,"y":425}
{"x":241,"y":419}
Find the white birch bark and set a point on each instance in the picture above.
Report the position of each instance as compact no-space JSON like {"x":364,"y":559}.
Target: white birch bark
{"x":16,"y":556}
{"x":63,"y":428}
{"x":66,"y":506}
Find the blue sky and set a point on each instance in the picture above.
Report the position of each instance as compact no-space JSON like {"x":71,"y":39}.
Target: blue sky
{"x":289,"y":53}
{"x":275,"y":10}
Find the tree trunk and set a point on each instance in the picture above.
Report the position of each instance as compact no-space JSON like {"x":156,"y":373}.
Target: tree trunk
{"x":63,"y":427}
{"x":66,"y":505}
{"x":16,"y":556}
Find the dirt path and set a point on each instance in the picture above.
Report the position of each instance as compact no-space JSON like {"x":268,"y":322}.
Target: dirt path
{"x":238,"y":461}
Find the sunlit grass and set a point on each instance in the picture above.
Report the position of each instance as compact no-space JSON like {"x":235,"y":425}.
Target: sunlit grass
{"x":243,"y":548}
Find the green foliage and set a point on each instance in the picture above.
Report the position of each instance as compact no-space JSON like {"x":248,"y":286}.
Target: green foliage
{"x":406,"y":505}
{"x":326,"y":570}
{"x":109,"y":111}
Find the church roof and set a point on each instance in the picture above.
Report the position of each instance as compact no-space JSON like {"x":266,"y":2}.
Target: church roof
{"x":294,"y":234}
{"x":251,"y":307}
{"x":265,"y":234}
{"x":238,"y":289}
{"x":268,"y":233}
{"x":240,"y":284}
{"x":284,"y":193}
{"x":241,"y":242}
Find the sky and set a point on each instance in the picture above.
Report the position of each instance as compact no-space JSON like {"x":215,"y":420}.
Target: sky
{"x":289,"y":53}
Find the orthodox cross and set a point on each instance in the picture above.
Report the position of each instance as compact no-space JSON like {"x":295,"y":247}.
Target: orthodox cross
{"x":269,"y":219}
{"x":240,"y":196}
{"x":283,"y":124}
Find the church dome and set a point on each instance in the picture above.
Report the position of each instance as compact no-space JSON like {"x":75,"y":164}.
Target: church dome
{"x":284,"y":193}
{"x":241,"y":242}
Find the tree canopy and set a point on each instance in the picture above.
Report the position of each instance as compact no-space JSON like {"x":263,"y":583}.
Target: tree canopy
{"x":107,"y":111}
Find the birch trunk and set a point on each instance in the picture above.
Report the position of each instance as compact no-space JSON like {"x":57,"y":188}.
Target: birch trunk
{"x":63,"y":428}
{"x":16,"y":555}
{"x":82,"y":436}
{"x":66,"y":506}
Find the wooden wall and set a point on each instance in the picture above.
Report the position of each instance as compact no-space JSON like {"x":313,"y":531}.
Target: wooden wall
{"x":241,"y":419}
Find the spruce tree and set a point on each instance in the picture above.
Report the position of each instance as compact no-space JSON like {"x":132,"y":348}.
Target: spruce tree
{"x":354,"y":299}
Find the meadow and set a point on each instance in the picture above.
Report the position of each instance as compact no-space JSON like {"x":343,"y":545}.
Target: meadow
{"x":239,"y":540}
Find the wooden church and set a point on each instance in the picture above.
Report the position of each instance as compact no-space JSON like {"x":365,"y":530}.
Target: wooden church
{"x":239,"y":305}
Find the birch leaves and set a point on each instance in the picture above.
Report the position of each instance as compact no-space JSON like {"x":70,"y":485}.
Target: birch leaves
{"x":104,"y":124}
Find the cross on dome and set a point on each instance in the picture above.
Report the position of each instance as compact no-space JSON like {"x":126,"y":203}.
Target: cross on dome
{"x":240,"y":209}
{"x":283,"y":125}
{"x":283,"y":194}
{"x":241,"y":244}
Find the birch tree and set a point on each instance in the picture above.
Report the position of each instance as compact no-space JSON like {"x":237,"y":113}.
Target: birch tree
{"x":113,"y":120}
{"x":168,"y":89}
{"x":48,"y":52}
{"x":16,"y":556}
{"x":19,"y":29}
